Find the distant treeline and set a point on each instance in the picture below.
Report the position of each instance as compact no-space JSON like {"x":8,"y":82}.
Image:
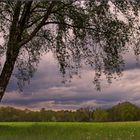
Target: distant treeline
{"x":121,"y":112}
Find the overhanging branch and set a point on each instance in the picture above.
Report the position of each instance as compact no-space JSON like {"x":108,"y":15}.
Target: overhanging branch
{"x":41,"y":24}
{"x":69,"y":25}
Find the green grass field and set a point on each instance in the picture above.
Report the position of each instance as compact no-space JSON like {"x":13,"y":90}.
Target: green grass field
{"x":70,"y":131}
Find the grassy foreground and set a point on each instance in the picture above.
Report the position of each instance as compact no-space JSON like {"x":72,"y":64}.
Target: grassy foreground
{"x":70,"y":131}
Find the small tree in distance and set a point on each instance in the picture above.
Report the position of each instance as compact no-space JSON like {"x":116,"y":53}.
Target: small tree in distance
{"x":95,"y":33}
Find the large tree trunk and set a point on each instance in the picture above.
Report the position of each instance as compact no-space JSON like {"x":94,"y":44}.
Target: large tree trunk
{"x":12,"y":50}
{"x":7,"y":70}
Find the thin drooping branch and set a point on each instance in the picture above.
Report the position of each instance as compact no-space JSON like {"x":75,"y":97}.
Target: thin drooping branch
{"x":34,"y":22}
{"x":40,"y":25}
{"x":69,"y":25}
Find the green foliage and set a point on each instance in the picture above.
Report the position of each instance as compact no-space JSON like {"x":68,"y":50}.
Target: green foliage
{"x":100,"y":115}
{"x":125,"y":112}
{"x":121,"y":112}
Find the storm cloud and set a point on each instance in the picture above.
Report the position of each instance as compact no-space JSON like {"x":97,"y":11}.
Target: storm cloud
{"x":46,"y":89}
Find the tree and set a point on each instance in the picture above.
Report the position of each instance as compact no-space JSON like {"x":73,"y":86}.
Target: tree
{"x":124,"y":112}
{"x":100,"y":115}
{"x":77,"y":32}
{"x":84,"y":114}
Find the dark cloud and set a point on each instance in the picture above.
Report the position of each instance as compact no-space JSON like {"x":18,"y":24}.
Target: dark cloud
{"x":47,"y":90}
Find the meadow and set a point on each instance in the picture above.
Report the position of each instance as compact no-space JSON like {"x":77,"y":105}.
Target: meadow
{"x":69,"y":131}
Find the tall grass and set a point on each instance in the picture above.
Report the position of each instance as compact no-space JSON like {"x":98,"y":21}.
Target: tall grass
{"x":70,"y":131}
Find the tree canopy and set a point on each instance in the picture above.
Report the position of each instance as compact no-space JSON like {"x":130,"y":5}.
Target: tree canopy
{"x":93,"y":33}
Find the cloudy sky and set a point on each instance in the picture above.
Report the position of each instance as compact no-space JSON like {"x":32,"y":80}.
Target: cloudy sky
{"x":47,"y":91}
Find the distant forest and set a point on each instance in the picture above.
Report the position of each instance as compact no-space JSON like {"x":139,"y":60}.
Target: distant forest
{"x":125,"y":111}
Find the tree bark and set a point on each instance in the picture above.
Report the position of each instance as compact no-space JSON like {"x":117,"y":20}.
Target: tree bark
{"x":7,"y":70}
{"x":12,"y":51}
